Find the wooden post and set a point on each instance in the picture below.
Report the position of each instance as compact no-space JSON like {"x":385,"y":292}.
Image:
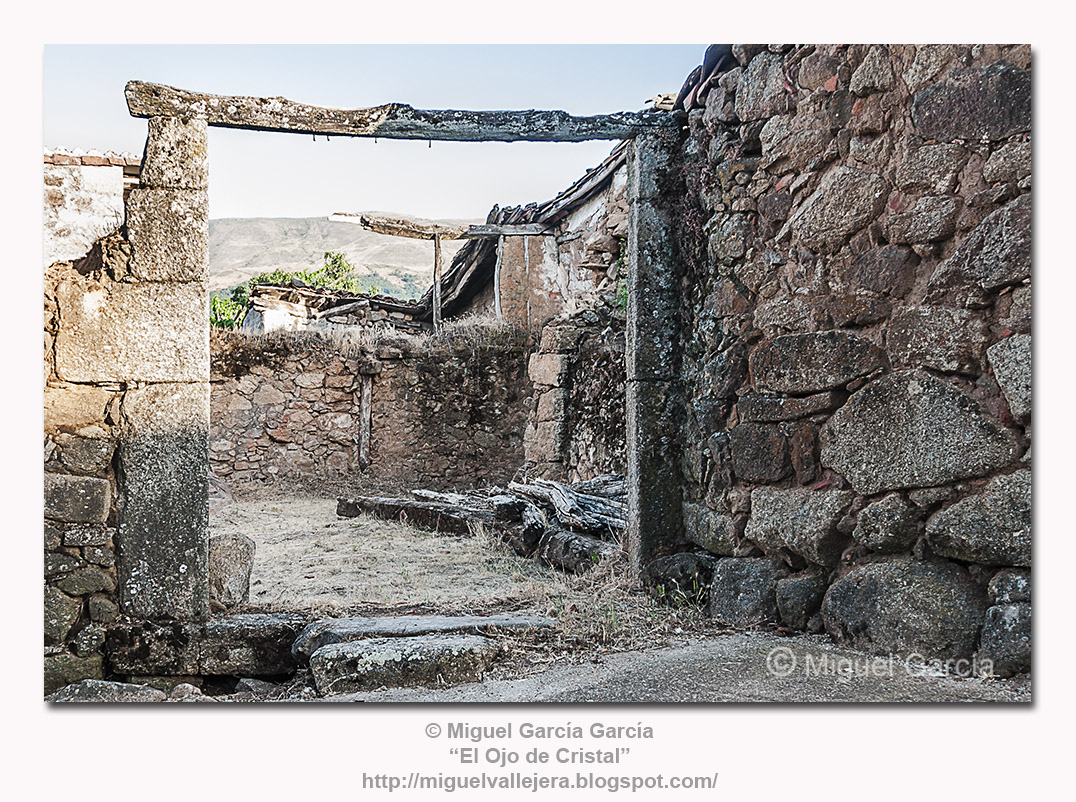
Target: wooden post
{"x":497,"y":278}
{"x":366,"y":385}
{"x":436,"y":282}
{"x":527,"y":272}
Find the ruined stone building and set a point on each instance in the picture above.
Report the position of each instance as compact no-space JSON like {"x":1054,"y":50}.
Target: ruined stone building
{"x":795,"y":310}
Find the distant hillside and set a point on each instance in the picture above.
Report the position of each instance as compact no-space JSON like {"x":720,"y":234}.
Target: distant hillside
{"x":241,"y":248}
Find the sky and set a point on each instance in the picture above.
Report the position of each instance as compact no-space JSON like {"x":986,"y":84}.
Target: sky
{"x":260,"y":174}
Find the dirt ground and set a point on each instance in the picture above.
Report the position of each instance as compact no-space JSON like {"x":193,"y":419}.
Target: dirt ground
{"x":309,"y":560}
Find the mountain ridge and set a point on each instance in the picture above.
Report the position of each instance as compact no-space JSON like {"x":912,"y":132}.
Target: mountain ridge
{"x":243,"y":247}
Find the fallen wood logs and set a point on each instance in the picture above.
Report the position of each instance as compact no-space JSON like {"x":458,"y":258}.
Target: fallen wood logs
{"x":574,"y":509}
{"x":535,"y":517}
{"x":454,"y":520}
{"x":609,"y":485}
{"x":574,"y":552}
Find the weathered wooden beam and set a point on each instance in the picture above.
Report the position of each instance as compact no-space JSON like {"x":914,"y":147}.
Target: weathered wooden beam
{"x":437,"y":283}
{"x":365,"y":410}
{"x":449,"y":518}
{"x":391,"y":121}
{"x":518,"y":230}
{"x":574,"y":552}
{"x":343,"y":309}
{"x":262,"y":303}
{"x":412,"y":227}
{"x":497,"y":279}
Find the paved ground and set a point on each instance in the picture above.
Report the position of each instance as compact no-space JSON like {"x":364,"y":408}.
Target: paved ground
{"x":728,"y":668}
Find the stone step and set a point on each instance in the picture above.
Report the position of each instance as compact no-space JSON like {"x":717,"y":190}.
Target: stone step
{"x":97,"y":690}
{"x":342,"y":630}
{"x":365,"y":665}
{"x":244,"y":645}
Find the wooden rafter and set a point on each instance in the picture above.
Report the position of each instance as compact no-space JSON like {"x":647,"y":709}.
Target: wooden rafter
{"x":398,"y":226}
{"x":521,"y":230}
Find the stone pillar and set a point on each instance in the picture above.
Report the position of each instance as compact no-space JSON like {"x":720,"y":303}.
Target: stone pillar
{"x":163,"y":536}
{"x":653,"y":390}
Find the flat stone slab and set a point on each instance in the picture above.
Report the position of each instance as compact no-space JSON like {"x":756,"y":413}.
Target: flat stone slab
{"x":323,"y":632}
{"x":365,"y":665}
{"x":100,"y":691}
{"x":909,"y":430}
{"x":813,"y":362}
{"x":145,"y":647}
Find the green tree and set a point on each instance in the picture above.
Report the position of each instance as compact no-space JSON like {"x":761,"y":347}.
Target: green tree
{"x":336,"y":273}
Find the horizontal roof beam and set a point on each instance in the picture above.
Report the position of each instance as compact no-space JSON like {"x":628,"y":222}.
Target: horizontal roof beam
{"x":417,"y":228}
{"x":517,"y":230}
{"x":391,"y":121}
{"x":412,"y":227}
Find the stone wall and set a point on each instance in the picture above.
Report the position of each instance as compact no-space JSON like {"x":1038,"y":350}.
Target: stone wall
{"x":84,"y":195}
{"x":575,"y":429}
{"x":80,"y":526}
{"x":422,"y":412}
{"x":568,"y":270}
{"x":126,"y":407}
{"x":857,"y":352}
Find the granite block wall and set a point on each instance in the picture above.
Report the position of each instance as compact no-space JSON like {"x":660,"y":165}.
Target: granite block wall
{"x":856,"y":302}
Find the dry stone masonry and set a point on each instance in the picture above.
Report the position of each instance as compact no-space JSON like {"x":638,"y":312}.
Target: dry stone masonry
{"x":576,"y":419}
{"x":857,"y":344}
{"x":127,"y":410}
{"x":304,"y":409}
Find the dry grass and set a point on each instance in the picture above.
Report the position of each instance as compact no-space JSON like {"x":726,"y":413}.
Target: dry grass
{"x":309,"y":560}
{"x":463,"y":332}
{"x":466,"y":332}
{"x":354,"y":341}
{"x":605,"y":610}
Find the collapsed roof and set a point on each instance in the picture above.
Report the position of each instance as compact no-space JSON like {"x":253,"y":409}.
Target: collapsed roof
{"x":471,"y":270}
{"x":473,"y":266}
